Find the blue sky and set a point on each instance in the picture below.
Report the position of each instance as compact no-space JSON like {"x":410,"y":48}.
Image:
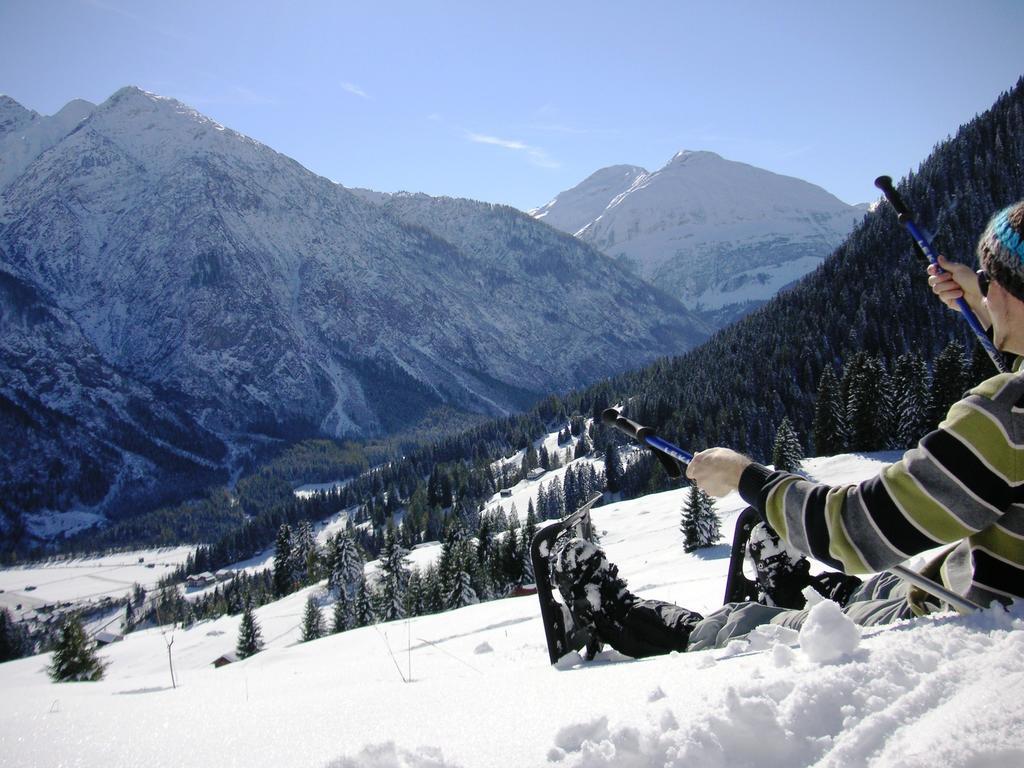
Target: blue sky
{"x":515,"y":102}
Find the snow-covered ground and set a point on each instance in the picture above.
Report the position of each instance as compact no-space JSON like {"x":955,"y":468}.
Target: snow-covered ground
{"x":85,"y":579}
{"x":473,"y":687}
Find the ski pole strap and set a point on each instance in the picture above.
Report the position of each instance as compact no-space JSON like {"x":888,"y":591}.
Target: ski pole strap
{"x":673,"y":458}
{"x":884,"y":183}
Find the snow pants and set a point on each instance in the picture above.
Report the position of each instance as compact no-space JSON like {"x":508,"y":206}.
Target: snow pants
{"x":880,"y":600}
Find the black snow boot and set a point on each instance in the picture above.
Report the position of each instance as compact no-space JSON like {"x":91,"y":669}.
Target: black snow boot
{"x":591,"y":589}
{"x":781,"y":573}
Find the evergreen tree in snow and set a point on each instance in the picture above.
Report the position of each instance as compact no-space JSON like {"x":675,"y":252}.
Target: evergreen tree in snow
{"x":949,"y":381}
{"x":910,"y":385}
{"x":462,"y":592}
{"x":364,"y":606}
{"x":861,"y":381}
{"x":433,"y":594}
{"x":828,"y":429}
{"x":303,"y":556}
{"x":13,"y":640}
{"x":129,"y":617}
{"x":888,"y":420}
{"x":283,"y":578}
{"x":312,"y":621}
{"x":556,"y":499}
{"x":348,"y":565}
{"x":250,"y":636}
{"x":415,"y":598}
{"x":511,"y":553}
{"x":584,"y":446}
{"x":394,"y":578}
{"x":342,"y":618}
{"x":787,"y":455}
{"x":74,"y":658}
{"x":700,"y":524}
{"x":329,"y":563}
{"x":613,"y":469}
{"x":529,"y":530}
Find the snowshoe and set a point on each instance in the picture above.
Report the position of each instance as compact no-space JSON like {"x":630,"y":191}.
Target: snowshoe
{"x":739,"y":588}
{"x":563,"y":632}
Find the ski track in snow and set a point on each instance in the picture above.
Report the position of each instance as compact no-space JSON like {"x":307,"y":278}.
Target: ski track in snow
{"x":944,"y":690}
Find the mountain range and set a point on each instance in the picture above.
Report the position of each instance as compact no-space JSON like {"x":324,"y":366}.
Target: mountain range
{"x":177,"y":295}
{"x":721,"y":236}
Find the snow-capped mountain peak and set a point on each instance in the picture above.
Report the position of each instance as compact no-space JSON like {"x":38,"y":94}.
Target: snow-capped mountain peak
{"x":573,"y":209}
{"x":713,"y":231}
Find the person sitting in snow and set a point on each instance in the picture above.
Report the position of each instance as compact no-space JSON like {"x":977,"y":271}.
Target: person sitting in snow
{"x":963,"y":485}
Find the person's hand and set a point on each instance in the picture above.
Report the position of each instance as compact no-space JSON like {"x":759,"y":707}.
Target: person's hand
{"x":958,"y":281}
{"x":717,"y":470}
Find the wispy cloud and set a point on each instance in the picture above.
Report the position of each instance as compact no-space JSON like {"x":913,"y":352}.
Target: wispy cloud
{"x":355,"y":90}
{"x":480,"y":138}
{"x":536,"y":155}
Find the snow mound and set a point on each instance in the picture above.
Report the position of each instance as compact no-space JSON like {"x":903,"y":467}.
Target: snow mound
{"x":387,"y":755}
{"x":902,"y":701}
{"x":828,"y":634}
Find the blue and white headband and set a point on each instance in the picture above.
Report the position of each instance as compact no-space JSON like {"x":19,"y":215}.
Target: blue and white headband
{"x":1007,"y":236}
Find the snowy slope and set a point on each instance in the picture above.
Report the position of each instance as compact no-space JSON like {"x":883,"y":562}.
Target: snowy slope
{"x":473,"y":688}
{"x":716,"y":233}
{"x":575,"y":208}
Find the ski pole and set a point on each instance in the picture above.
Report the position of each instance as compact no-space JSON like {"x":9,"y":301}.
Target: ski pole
{"x":671,"y":456}
{"x":959,"y":602}
{"x":884,"y":183}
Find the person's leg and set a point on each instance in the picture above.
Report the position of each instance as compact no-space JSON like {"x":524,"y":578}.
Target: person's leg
{"x":600,"y":602}
{"x":733,"y":621}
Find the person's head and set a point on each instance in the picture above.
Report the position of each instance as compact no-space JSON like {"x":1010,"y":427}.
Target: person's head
{"x":1001,"y":255}
{"x":1001,"y":249}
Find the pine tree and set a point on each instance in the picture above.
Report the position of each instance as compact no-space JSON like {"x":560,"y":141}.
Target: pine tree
{"x":341,"y":617}
{"x":74,"y":658}
{"x":462,"y":592}
{"x":250,"y":636}
{"x":13,"y":642}
{"x":827,"y":430}
{"x":312,"y":621}
{"x":787,"y":455}
{"x":612,"y":468}
{"x":303,"y":556}
{"x":364,"y":606}
{"x":415,"y":599}
{"x":529,"y":530}
{"x":700,"y":524}
{"x":394,"y":578}
{"x":511,"y":554}
{"x":863,"y":399}
{"x":910,"y":384}
{"x":348,"y":565}
{"x":949,"y":381}
{"x":283,"y":578}
{"x":584,"y":446}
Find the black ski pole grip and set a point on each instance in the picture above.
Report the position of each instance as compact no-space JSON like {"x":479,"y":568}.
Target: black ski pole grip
{"x":613,"y":417}
{"x":672,"y":457}
{"x":884,"y":183}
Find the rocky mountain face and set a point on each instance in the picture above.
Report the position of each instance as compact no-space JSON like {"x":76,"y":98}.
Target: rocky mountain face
{"x":721,"y":236}
{"x":186,"y":293}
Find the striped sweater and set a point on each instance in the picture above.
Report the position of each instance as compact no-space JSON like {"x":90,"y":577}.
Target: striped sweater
{"x":963,"y":483}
